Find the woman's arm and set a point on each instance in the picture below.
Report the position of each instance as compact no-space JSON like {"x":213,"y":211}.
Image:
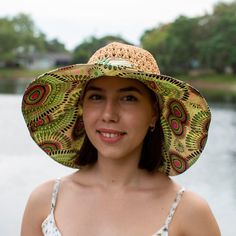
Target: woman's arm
{"x":37,"y":209}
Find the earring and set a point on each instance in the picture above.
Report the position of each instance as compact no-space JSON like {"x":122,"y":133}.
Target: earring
{"x":152,"y":128}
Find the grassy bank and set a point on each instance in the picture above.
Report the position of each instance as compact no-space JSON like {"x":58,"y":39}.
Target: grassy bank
{"x":13,"y":73}
{"x":216,"y":88}
{"x":215,"y":78}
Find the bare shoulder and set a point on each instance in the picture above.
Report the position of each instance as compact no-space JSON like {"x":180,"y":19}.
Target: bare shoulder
{"x":43,"y":190}
{"x":197,"y":216}
{"x":40,"y":198}
{"x":194,"y":204}
{"x":37,"y":209}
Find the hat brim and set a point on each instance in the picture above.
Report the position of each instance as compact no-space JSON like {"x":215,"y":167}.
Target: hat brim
{"x":52,"y":110}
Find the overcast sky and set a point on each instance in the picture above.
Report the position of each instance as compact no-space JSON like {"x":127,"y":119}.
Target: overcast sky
{"x":72,"y":21}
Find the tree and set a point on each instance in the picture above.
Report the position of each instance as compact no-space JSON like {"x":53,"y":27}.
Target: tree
{"x":8,"y":40}
{"x":84,"y":51}
{"x":55,"y":46}
{"x":218,"y":49}
{"x":29,"y":37}
{"x":154,"y":41}
{"x":20,"y":38}
{"x":173,"y":45}
{"x":201,"y":42}
{"x":182,"y":44}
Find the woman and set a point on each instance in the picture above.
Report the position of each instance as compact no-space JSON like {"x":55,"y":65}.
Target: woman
{"x":127,"y":128}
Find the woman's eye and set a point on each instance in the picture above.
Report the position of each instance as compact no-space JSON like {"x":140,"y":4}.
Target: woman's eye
{"x":129,"y":98}
{"x":95,"y":97}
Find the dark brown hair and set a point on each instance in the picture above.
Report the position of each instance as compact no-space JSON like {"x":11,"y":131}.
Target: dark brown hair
{"x":150,"y":158}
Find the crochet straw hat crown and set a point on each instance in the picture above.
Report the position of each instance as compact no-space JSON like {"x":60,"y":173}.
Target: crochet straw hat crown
{"x":53,"y":113}
{"x":137,"y":58}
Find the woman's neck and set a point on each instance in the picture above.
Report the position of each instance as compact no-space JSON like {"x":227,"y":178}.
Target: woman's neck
{"x":119,"y":173}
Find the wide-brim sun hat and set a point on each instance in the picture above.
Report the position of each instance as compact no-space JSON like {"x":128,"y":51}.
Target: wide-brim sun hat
{"x":52,"y":108}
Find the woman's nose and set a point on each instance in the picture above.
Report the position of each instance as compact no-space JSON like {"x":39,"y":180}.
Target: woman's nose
{"x":110,"y":112}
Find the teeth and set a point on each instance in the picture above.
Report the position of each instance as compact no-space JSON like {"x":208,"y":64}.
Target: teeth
{"x":109,"y":135}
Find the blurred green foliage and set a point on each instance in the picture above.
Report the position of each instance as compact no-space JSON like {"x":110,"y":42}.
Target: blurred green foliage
{"x":19,"y":37}
{"x":204,"y":42}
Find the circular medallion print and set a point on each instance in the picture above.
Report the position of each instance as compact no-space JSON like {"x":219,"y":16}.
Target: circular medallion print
{"x":178,"y":163}
{"x":36,"y":95}
{"x":50,"y":147}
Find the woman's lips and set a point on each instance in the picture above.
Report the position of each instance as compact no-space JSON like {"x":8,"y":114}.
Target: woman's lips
{"x":110,"y":136}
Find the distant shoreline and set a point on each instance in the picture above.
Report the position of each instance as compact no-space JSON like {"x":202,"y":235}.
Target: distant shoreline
{"x":216,"y":88}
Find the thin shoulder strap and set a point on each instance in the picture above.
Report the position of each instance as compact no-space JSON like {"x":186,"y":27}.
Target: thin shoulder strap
{"x":174,"y":206}
{"x":55,"y":193}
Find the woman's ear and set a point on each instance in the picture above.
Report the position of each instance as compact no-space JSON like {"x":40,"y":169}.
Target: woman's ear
{"x":153,"y":122}
{"x":155,"y":112}
{"x":154,"y":118}
{"x":155,"y":109}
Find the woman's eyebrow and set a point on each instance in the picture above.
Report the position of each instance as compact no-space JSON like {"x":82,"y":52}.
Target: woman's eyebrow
{"x":125,"y":89}
{"x":93,"y":88}
{"x":130,"y":89}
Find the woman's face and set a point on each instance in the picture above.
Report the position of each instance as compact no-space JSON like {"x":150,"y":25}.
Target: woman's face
{"x":117,"y":114}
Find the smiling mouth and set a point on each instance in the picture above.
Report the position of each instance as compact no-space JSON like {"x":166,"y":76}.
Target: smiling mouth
{"x":110,"y":134}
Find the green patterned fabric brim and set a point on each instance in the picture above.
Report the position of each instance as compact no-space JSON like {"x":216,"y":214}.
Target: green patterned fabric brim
{"x":53,"y":113}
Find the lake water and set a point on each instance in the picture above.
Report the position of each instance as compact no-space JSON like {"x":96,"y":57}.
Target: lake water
{"x":23,"y":166}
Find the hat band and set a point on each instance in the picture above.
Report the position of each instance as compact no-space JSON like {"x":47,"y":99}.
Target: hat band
{"x":116,"y":62}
